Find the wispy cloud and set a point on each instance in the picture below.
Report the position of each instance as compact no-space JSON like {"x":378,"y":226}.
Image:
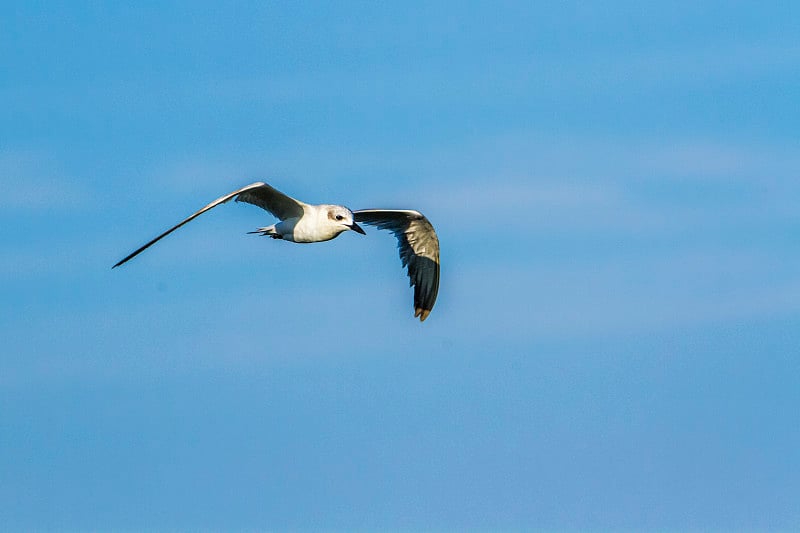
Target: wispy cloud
{"x":32,"y":182}
{"x":618,"y":296}
{"x":688,"y":65}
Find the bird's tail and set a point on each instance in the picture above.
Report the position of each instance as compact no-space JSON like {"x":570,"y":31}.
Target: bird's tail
{"x":268,"y":230}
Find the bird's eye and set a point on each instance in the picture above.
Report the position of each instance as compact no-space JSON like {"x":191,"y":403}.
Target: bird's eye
{"x":339,"y":217}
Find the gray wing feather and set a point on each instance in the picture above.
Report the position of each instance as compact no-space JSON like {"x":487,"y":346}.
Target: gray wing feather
{"x":258,"y":193}
{"x":419,"y":251}
{"x":270,"y":199}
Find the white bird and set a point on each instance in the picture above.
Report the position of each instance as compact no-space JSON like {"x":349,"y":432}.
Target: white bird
{"x":301,"y":222}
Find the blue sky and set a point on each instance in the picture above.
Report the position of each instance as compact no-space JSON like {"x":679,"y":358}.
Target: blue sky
{"x":615,"y":344}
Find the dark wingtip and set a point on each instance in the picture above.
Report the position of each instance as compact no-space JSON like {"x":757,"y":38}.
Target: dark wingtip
{"x":123,"y":261}
{"x":421,"y":313}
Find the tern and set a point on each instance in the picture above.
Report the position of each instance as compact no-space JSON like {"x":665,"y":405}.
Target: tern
{"x":305,"y":223}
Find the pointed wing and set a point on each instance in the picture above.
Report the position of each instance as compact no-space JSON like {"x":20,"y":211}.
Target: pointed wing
{"x":419,"y":251}
{"x":258,"y":193}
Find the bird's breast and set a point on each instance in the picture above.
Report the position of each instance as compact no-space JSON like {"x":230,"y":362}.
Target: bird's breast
{"x":309,"y":229}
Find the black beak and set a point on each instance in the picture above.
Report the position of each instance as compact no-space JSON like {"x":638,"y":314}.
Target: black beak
{"x":356,"y":227}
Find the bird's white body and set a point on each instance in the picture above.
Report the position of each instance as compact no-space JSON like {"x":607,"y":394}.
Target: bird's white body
{"x":316,"y":225}
{"x":306,"y":223}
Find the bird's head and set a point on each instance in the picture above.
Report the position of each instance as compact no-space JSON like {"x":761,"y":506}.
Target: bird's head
{"x":344,"y":217}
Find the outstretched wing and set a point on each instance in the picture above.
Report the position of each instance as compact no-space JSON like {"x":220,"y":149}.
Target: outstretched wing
{"x":258,"y":193}
{"x":269,"y":199}
{"x":419,"y":251}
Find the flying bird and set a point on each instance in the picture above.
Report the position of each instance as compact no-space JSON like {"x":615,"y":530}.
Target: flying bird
{"x":303,"y":223}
